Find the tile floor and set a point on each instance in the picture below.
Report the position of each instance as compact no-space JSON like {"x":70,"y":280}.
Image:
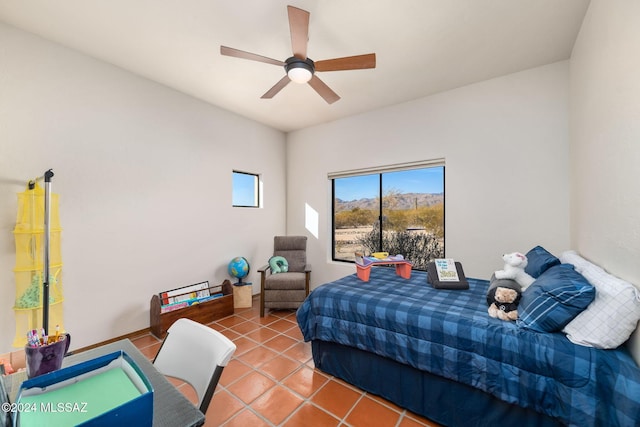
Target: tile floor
{"x":271,"y":380}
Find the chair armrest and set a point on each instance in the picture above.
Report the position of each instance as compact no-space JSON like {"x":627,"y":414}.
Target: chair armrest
{"x":264,"y":269}
{"x":307,"y":268}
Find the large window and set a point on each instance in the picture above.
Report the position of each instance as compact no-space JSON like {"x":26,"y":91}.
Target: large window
{"x":245,"y":190}
{"x":400,"y":211}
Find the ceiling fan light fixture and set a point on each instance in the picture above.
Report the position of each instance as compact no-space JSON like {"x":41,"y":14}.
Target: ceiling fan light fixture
{"x":299,"y":75}
{"x":299,"y":70}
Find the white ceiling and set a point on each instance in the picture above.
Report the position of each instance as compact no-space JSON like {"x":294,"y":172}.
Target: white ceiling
{"x":422,"y":46}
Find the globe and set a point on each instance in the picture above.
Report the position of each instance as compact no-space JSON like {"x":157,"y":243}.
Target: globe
{"x":239,"y":268}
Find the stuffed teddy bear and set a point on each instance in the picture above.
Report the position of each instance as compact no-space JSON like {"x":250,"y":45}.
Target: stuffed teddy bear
{"x":514,"y":265}
{"x":503,"y":297}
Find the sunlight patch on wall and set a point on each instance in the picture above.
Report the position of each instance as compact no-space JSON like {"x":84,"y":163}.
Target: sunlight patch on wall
{"x":311,"y":220}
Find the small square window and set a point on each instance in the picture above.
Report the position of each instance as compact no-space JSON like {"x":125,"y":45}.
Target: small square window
{"x":246,"y":191}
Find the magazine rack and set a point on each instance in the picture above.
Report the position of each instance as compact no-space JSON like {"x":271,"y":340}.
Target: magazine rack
{"x":203,"y":312}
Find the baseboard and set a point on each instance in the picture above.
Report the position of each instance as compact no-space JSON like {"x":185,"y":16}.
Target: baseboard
{"x":130,"y":335}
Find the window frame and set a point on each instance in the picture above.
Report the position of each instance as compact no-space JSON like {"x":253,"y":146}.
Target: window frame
{"x":257,"y":195}
{"x":380,"y":171}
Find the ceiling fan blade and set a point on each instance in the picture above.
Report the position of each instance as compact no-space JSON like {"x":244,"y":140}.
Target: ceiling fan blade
{"x":299,"y":27}
{"x":323,"y":90}
{"x":357,"y":62}
{"x":276,"y":88}
{"x":229,"y":51}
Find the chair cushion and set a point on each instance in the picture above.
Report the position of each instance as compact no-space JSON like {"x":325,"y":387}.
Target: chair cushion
{"x":290,"y":281}
{"x":290,"y":243}
{"x":293,"y":249}
{"x":284,"y":298}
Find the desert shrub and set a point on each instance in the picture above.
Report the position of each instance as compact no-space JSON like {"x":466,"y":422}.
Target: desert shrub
{"x":355,"y":217}
{"x":419,"y":248}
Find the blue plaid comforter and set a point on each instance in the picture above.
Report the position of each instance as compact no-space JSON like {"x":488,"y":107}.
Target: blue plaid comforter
{"x":449,"y":333}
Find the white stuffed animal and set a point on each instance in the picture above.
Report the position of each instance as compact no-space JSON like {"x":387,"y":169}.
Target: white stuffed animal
{"x":514,"y":264}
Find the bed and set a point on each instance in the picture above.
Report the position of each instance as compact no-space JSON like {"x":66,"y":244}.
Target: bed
{"x":437,"y":353}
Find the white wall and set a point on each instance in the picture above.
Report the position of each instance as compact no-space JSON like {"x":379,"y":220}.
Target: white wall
{"x":605,"y":139}
{"x":144,"y":177}
{"x":505,"y":143}
{"x":144,"y":172}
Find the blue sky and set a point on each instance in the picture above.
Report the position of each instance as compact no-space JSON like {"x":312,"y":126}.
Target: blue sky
{"x":427,"y":180}
{"x":244,"y":189}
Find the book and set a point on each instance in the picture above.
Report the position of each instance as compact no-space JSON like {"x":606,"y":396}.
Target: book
{"x":175,"y":306}
{"x":446,"y":269}
{"x":364,"y":261}
{"x":187,"y":303}
{"x":434,"y":279}
{"x":198,"y":290}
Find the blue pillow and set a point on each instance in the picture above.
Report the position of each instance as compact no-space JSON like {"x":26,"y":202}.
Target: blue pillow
{"x":539,"y":261}
{"x":554,"y":299}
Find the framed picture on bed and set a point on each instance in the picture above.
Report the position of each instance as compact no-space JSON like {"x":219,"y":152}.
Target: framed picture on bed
{"x":445,"y":273}
{"x":446,"y":269}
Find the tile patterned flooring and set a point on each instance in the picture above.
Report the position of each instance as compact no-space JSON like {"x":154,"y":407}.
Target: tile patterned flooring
{"x":271,"y":380}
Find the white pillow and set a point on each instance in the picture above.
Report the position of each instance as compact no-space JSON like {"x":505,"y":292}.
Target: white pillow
{"x":614,"y":313}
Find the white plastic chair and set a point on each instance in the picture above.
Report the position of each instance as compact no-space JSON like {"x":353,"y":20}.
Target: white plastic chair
{"x":197,"y":354}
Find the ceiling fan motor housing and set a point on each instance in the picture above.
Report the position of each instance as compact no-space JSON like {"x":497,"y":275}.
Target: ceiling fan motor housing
{"x":299,"y":70}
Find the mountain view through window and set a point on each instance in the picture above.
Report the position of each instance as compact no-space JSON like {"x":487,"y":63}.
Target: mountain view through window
{"x":400,"y":212}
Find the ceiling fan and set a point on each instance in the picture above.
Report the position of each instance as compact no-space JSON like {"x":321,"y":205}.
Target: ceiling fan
{"x":300,"y":68}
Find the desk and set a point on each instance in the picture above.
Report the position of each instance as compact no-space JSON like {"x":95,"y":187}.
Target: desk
{"x":170,"y":407}
{"x":363,"y":268}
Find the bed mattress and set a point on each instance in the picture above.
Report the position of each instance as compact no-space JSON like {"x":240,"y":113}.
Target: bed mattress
{"x":449,"y":333}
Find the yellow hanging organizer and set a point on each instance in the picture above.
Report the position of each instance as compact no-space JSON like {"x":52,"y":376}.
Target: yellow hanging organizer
{"x":30,"y":239}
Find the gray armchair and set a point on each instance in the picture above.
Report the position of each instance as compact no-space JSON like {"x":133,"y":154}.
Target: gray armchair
{"x":286,"y":290}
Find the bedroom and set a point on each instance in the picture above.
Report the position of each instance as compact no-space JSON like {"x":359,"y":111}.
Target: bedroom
{"x":144,"y":171}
